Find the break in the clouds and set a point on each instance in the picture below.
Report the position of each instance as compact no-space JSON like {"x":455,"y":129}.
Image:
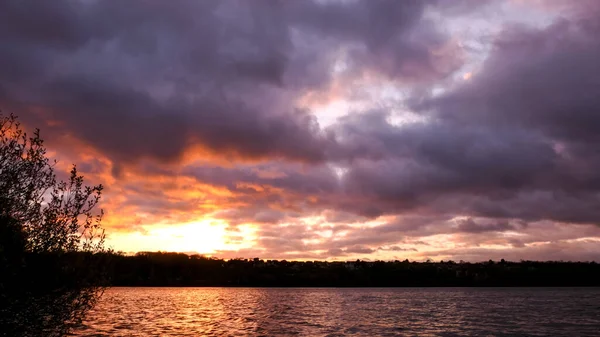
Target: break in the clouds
{"x":329,"y":129}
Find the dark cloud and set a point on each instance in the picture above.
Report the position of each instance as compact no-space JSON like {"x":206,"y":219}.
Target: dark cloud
{"x":332,"y":216}
{"x":313,"y":179}
{"x":152,"y":79}
{"x":261,"y":215}
{"x":470,"y":226}
{"x":359,"y":250}
{"x":397,"y":249}
{"x":549,"y":77}
{"x":382,"y":35}
{"x":518,"y":140}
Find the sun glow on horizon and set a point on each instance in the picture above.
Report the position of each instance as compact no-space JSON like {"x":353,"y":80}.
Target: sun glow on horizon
{"x":205,"y":236}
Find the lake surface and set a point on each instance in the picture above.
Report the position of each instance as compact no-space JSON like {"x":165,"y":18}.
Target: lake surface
{"x":346,"y":312}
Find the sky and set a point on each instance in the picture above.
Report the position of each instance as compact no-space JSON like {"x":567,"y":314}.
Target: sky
{"x":321,"y":130}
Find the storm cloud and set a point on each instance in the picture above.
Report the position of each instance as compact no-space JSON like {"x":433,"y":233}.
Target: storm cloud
{"x":153,"y":79}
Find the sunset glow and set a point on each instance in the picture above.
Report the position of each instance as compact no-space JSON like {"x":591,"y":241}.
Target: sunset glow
{"x":202,"y":237}
{"x":401,"y":129}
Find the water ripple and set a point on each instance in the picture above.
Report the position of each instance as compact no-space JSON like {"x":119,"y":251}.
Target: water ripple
{"x":345,"y":312}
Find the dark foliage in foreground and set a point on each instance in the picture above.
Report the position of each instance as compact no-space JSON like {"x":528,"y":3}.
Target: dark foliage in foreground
{"x":173,"y":269}
{"x":50,"y":275}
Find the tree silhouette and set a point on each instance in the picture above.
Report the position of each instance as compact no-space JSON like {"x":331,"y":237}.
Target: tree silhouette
{"x":50,"y":272}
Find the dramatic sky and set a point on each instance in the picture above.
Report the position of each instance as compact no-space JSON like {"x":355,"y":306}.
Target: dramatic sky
{"x":326,"y":129}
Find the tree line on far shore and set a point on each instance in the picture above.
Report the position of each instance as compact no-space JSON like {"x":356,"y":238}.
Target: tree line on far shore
{"x":158,"y":269}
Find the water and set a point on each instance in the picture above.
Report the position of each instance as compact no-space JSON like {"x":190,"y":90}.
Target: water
{"x":346,"y":312}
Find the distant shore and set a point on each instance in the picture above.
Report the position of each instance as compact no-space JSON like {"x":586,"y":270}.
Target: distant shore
{"x":158,"y":269}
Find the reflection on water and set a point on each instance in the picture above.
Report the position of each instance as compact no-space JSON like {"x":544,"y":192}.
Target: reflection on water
{"x":342,"y":312}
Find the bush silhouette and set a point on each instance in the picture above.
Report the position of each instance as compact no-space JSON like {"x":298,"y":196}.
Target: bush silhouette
{"x":50,"y":271}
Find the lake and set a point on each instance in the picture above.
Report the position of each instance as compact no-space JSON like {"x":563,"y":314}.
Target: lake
{"x":346,"y":312}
